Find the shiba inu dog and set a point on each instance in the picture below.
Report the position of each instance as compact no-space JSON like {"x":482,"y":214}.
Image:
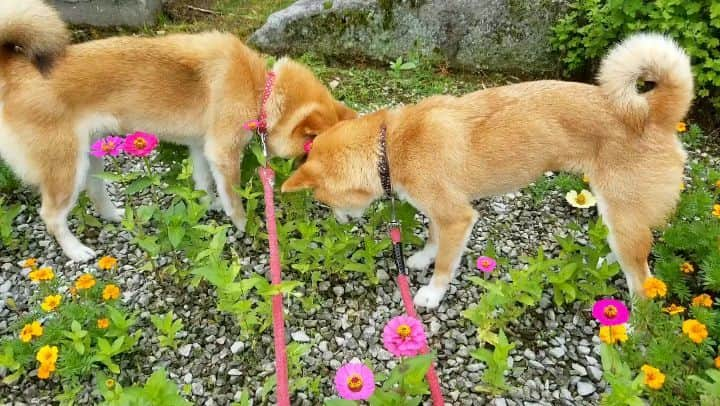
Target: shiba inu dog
{"x":446,"y":151}
{"x":195,"y":90}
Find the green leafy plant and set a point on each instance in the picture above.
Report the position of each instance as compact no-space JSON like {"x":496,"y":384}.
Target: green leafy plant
{"x":157,"y":391}
{"x":169,"y":326}
{"x":584,"y":35}
{"x":7,"y":216}
{"x":86,"y":326}
{"x":399,"y":65}
{"x":496,"y":362}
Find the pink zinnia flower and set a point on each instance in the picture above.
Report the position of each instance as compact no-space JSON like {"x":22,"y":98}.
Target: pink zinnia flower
{"x":251,"y":125}
{"x":486,"y":264}
{"x":107,"y":146}
{"x":355,"y":381}
{"x":610,"y":312}
{"x":140,"y":144}
{"x":404,"y":336}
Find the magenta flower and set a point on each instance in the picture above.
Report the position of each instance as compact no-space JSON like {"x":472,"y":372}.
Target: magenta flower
{"x":355,"y":381}
{"x":111,"y":145}
{"x":140,"y":144}
{"x":404,"y":336}
{"x":610,"y":312}
{"x":486,"y":264}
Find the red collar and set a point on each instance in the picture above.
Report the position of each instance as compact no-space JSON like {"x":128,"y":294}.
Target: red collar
{"x":260,"y":124}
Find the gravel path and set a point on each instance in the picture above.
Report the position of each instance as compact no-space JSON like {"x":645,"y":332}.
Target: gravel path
{"x":556,"y":360}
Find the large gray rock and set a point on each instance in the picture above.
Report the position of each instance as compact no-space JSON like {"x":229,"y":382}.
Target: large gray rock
{"x":105,"y":13}
{"x":510,"y":36}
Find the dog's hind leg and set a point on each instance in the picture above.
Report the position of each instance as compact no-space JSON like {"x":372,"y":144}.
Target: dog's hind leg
{"x":96,"y":190}
{"x":59,"y":188}
{"x":630,"y":239}
{"x":454,"y":225}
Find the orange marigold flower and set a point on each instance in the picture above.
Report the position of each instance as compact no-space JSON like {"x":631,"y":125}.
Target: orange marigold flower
{"x":717,"y":184}
{"x":654,"y":379}
{"x":107,"y":263}
{"x":51,"y":302}
{"x":45,"y":370}
{"x":42,"y":274}
{"x":681,"y":127}
{"x":111,"y":292}
{"x":703,"y":300}
{"x":72,"y":290}
{"x":687,"y":267}
{"x":673,"y":309}
{"x":654,"y":287}
{"x":29,"y":263}
{"x":85,"y":281}
{"x":717,"y":361}
{"x":613,"y":334}
{"x":103,"y":323}
{"x":695,"y":330}
{"x":47,"y":355}
{"x":716,"y":210}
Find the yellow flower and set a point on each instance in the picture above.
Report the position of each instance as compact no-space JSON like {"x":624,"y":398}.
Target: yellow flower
{"x":107,"y":263}
{"x":36,"y":328}
{"x":47,"y":355}
{"x":716,"y":210}
{"x":109,"y":383}
{"x":26,"y":334}
{"x":687,"y":267}
{"x":45,"y":370}
{"x":29,"y":263}
{"x":586,"y":178}
{"x":674,"y":309}
{"x":613,"y":334}
{"x":111,"y":292}
{"x":682,"y":186}
{"x":72,"y":290}
{"x":85,"y":281}
{"x":654,"y":379}
{"x":695,"y":330}
{"x":681,"y":127}
{"x":717,"y":361}
{"x":717,"y":184}
{"x":42,"y":274}
{"x":103,"y":323}
{"x":703,"y":300}
{"x":654,"y":287}
{"x":581,"y":200}
{"x":51,"y":302}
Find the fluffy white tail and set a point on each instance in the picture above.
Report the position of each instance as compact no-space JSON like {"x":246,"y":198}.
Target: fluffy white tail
{"x":652,"y":58}
{"x":32,"y":28}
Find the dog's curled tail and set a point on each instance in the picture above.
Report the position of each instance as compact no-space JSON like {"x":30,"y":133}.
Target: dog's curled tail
{"x":650,"y":58}
{"x":32,"y":28}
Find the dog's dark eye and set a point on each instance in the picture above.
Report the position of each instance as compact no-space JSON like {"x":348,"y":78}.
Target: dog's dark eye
{"x":644,"y":86}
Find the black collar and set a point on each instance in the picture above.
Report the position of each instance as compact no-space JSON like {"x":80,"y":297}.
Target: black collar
{"x":383,"y":163}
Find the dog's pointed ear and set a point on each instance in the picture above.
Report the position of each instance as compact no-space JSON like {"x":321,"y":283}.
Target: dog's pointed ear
{"x":303,"y":178}
{"x":344,"y":112}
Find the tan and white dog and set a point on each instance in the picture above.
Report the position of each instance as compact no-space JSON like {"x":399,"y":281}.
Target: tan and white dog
{"x":195,"y":90}
{"x":446,"y":151}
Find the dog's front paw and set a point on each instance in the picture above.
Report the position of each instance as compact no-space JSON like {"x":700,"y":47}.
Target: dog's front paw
{"x":240,"y":223}
{"x":429,"y":296}
{"x":113,"y":214}
{"x":420,"y":260}
{"x":78,"y":252}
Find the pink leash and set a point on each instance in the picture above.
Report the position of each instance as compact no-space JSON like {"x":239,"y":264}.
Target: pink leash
{"x":283,"y":391}
{"x":267,"y":176}
{"x":404,"y":286}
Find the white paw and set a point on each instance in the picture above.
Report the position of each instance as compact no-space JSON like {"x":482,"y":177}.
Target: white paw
{"x":429,"y":296}
{"x":240,"y":224}
{"x":78,"y":252}
{"x":113,"y":214}
{"x":420,"y":260}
